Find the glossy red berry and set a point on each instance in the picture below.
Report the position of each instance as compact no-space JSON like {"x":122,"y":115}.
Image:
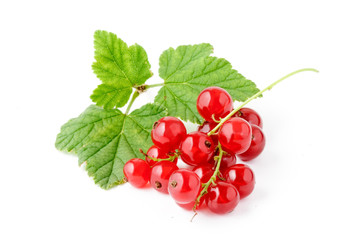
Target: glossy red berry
{"x":158,"y":153}
{"x":242,"y":177}
{"x":214,"y":101}
{"x":222,"y":198}
{"x":204,"y":171}
{"x":235,"y":135}
{"x":196,"y":148}
{"x":257,"y":144}
{"x":190,"y":206}
{"x":207,"y":127}
{"x":160,"y":174}
{"x":167,"y":133}
{"x":137,"y":172}
{"x":227,"y":160}
{"x":250,"y":115}
{"x":184,"y":186}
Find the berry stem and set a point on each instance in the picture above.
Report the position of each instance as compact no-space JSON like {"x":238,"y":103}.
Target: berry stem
{"x":170,"y":158}
{"x":257,"y":95}
{"x":134,"y":96}
{"x":212,"y":180}
{"x":215,"y":120}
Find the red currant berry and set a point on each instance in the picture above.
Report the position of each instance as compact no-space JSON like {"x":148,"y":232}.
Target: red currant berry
{"x":207,"y":127}
{"x":167,"y":133}
{"x":222,"y":198}
{"x":137,"y":172}
{"x":257,"y":144}
{"x":235,"y":135}
{"x":156,"y":152}
{"x":184,"y":186}
{"x":160,"y":174}
{"x":204,"y":171}
{"x":250,"y":115}
{"x":190,"y":206}
{"x":214,"y":101}
{"x":227,"y":160}
{"x":242,"y":177}
{"x":196,"y":148}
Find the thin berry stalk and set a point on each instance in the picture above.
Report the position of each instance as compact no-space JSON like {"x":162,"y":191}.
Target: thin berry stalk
{"x":170,"y":158}
{"x":212,"y":180}
{"x":257,"y":95}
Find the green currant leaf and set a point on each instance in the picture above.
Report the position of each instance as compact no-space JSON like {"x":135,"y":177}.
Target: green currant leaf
{"x":172,"y":61}
{"x":187,"y":71}
{"x":111,"y":95}
{"x":78,"y":131}
{"x":119,"y":67}
{"x":107,"y":139}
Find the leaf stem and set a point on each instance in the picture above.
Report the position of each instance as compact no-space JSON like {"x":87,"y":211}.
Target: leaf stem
{"x":155,"y":85}
{"x":134,"y":96}
{"x":212,"y":180}
{"x":257,"y":95}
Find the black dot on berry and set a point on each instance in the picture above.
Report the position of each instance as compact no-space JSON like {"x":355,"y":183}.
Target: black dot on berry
{"x":155,"y":124}
{"x":173,"y":184}
{"x":252,"y":137}
{"x":158,"y":184}
{"x":207,"y":144}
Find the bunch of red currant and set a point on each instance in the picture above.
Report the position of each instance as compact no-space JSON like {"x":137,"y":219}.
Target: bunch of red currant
{"x":214,"y":178}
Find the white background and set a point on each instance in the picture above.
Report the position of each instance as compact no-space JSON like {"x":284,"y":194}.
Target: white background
{"x":307,"y":178}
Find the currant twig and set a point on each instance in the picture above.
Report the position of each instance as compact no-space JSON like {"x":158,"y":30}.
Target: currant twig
{"x":257,"y":95}
{"x":155,"y":85}
{"x":141,"y":88}
{"x":212,"y":180}
{"x":138,"y":90}
{"x":170,"y":158}
{"x":134,"y":96}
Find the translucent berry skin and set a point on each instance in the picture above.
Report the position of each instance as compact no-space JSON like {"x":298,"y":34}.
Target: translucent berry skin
{"x":204,"y":171}
{"x":189,"y":206}
{"x":235,"y":135}
{"x":250,"y":115}
{"x":257,"y":144}
{"x":214,"y":101}
{"x":184,"y":186}
{"x":196,"y":148}
{"x":222,"y":198}
{"x":242,"y":177}
{"x":167,"y":133}
{"x":207,"y":127}
{"x":227,"y":160}
{"x":137,"y":172}
{"x":160,"y":174}
{"x":156,"y":152}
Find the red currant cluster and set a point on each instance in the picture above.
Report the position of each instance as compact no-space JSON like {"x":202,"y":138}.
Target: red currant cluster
{"x":215,"y":177}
